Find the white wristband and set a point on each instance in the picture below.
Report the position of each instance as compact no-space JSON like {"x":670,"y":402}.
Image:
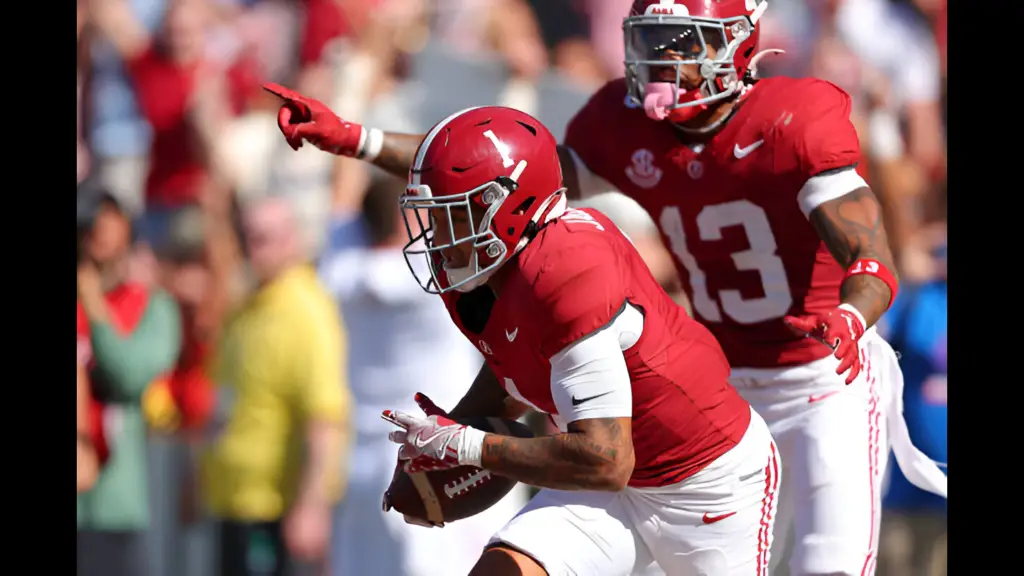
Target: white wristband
{"x":371,"y":141}
{"x":471,"y":447}
{"x":856,"y":313}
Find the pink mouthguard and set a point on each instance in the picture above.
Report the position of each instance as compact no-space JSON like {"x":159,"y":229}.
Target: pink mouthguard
{"x":658,"y":96}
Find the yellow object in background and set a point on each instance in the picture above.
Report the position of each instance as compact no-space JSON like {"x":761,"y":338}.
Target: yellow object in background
{"x":158,"y":407}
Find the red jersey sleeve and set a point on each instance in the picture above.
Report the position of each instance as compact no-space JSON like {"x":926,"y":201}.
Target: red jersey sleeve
{"x":820,"y":138}
{"x":578,"y":291}
{"x":587,"y":134}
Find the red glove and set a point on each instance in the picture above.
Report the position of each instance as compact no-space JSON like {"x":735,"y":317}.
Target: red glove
{"x":840,"y":330}
{"x":303,"y":118}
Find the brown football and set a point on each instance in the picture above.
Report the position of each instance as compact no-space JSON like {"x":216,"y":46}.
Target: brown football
{"x":448,"y":495}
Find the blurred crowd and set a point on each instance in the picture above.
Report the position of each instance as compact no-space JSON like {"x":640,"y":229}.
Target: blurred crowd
{"x":244,"y":310}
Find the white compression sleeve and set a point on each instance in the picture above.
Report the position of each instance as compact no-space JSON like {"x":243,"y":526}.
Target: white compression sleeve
{"x":589,"y":378}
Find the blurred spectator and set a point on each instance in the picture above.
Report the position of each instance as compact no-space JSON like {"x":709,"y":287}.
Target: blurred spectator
{"x":914,"y":522}
{"x":894,"y":40}
{"x":187,"y":276}
{"x":507,"y":27}
{"x":304,"y":44}
{"x":185,"y":90}
{"x":936,"y":13}
{"x":128,"y":336}
{"x":83,"y":72}
{"x":404,"y":334}
{"x":605,"y":23}
{"x":278,"y":437}
{"x":565,"y":29}
{"x":118,"y":135}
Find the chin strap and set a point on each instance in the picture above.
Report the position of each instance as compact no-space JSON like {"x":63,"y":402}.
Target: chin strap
{"x":752,"y":68}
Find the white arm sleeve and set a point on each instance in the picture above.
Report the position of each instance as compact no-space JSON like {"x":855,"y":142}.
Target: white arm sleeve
{"x":825,"y":187}
{"x":589,"y":378}
{"x":590,"y":184}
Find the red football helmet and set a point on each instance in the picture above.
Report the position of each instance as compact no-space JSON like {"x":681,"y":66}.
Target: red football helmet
{"x":719,"y":37}
{"x":491,"y":161}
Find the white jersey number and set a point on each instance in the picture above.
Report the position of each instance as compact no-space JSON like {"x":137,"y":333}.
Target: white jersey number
{"x":761,"y":257}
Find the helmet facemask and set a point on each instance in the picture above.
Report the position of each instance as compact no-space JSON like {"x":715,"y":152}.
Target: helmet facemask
{"x":659,"y":46}
{"x":488,"y":251}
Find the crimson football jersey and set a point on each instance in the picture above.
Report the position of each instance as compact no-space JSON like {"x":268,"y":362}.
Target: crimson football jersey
{"x":573,"y":279}
{"x":730,"y":210}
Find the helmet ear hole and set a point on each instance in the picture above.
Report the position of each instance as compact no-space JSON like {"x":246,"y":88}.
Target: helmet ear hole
{"x":522,"y":208}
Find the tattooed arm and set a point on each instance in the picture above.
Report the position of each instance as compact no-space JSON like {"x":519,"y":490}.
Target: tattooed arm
{"x":851,"y":227}
{"x":595,"y":454}
{"x":591,"y":389}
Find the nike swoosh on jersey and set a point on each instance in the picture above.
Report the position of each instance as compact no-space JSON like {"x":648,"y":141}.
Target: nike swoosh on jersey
{"x":744,"y":152}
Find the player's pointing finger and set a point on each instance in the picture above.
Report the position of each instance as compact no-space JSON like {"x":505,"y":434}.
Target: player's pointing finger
{"x":282,"y":92}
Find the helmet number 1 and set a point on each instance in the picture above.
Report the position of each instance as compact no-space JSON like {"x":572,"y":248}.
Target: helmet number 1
{"x":502,"y":148}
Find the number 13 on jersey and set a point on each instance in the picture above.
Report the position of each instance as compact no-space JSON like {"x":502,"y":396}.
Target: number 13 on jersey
{"x":761,"y":257}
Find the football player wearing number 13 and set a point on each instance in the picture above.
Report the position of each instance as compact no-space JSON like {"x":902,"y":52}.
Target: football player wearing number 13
{"x":659,"y":460}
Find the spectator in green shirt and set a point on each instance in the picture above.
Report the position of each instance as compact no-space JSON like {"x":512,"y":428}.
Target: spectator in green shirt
{"x":132,"y":336}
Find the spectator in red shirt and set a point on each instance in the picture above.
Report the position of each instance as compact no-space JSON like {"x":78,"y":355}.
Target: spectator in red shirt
{"x":184,"y":94}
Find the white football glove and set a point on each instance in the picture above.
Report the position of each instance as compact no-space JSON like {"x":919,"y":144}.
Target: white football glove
{"x":435,"y":442}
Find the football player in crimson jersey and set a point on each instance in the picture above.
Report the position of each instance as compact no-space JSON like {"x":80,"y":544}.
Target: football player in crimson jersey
{"x":658,"y":459}
{"x":778,"y":241}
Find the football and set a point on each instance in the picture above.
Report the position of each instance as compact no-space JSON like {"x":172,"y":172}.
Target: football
{"x":447,"y":495}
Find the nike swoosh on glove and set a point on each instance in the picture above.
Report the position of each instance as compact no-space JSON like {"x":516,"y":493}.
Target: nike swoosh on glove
{"x":303,"y":118}
{"x":407,"y":452}
{"x":440,"y":441}
{"x":840,"y":330}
